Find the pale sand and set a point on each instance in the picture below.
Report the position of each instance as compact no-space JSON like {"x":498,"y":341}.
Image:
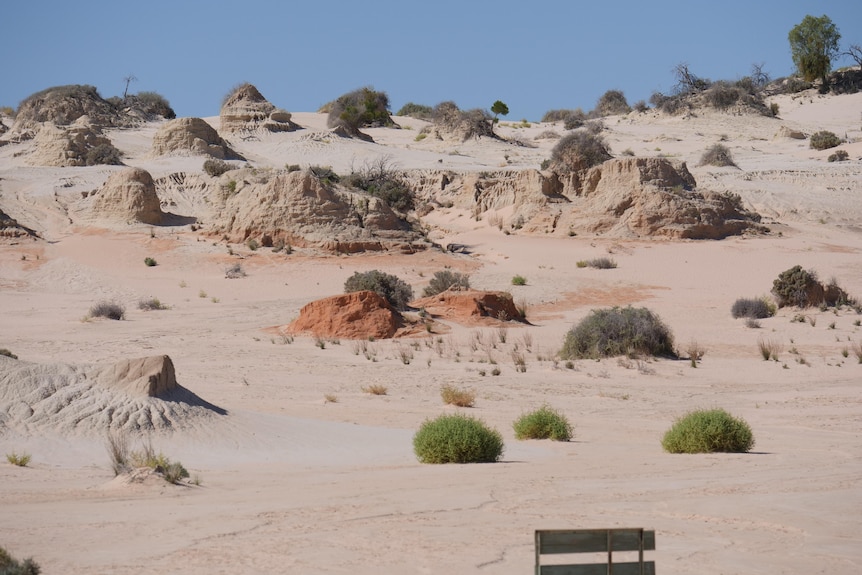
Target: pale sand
{"x":293,"y":484}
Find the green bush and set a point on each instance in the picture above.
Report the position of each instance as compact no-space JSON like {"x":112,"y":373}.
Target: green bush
{"x":717,"y":155}
{"x":445,"y":279}
{"x":798,"y":287}
{"x":543,"y":423}
{"x":708,"y":431}
{"x":618,"y":331}
{"x":418,"y":111}
{"x":18,"y":459}
{"x":579,"y":151}
{"x":362,"y":108}
{"x":216,"y":168}
{"x":519,"y":281}
{"x":754,"y":308}
{"x":380,"y":179}
{"x":457,"y":439}
{"x":7,"y":353}
{"x":823,"y":140}
{"x":611,"y":103}
{"x":393,"y":289}
{"x":110,"y":310}
{"x":150,"y":262}
{"x":839,"y":156}
{"x":10,"y":566}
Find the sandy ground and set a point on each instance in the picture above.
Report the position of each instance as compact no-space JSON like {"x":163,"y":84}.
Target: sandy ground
{"x":293,"y":483}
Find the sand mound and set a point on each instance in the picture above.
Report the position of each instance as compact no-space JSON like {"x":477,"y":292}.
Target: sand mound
{"x":128,"y":196}
{"x":134,"y":395}
{"x":246,"y":110}
{"x":357,"y":315}
{"x":81,"y":144}
{"x":470,"y":307}
{"x":303,"y":210}
{"x":191,"y":136}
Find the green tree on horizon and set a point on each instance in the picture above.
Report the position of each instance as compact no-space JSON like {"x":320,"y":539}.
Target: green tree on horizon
{"x":813,"y":45}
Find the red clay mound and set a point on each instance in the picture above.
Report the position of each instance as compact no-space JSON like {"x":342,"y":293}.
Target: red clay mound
{"x":357,"y":315}
{"x":470,"y":306}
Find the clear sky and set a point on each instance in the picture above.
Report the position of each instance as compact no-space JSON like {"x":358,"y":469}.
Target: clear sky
{"x":533,"y":55}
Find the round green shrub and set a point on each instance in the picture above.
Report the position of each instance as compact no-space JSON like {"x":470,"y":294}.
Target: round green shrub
{"x":543,"y":423}
{"x":457,"y":438}
{"x":708,"y":431}
{"x":618,"y":331}
{"x":824,"y":140}
{"x":393,"y":289}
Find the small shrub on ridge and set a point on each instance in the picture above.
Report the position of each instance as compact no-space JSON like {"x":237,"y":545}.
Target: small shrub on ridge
{"x":708,"y":431}
{"x":393,"y":289}
{"x":457,"y":438}
{"x":717,"y":155}
{"x":215,"y":167}
{"x":543,"y":423}
{"x":445,"y":279}
{"x":579,"y":151}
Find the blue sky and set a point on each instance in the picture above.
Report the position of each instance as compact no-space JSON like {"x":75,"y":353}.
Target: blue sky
{"x":534,"y":56}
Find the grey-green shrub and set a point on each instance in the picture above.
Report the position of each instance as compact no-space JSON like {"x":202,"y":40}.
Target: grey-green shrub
{"x":578,"y":151}
{"x":708,"y":431}
{"x":360,"y":108}
{"x":393,"y":289}
{"x":215,"y":167}
{"x":445,"y":279}
{"x":754,"y":308}
{"x":823,"y":140}
{"x":618,"y":331}
{"x":838,"y":156}
{"x":10,"y":566}
{"x":457,"y":438}
{"x":799,"y":287}
{"x":103,"y":154}
{"x":108,"y":309}
{"x":611,"y":103}
{"x":717,"y":155}
{"x":543,"y":423}
{"x":418,"y":111}
{"x":7,"y":353}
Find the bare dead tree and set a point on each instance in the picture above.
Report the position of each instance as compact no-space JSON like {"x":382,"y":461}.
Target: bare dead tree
{"x":128,"y":80}
{"x":855,"y":52}
{"x":759,"y":77}
{"x":688,"y":82}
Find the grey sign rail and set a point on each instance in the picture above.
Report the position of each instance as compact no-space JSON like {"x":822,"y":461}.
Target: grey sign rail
{"x":595,"y":541}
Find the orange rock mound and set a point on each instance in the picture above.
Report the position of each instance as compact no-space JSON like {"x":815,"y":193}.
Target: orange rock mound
{"x":471,"y":306}
{"x":357,"y":315}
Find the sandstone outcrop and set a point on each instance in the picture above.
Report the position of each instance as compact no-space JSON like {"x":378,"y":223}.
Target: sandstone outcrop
{"x":152,"y":376}
{"x":191,"y":136}
{"x":80,"y":144}
{"x":128,"y":196}
{"x":246,"y":110}
{"x":356,"y":315}
{"x":62,"y":106}
{"x":303,"y":210}
{"x":470,"y":307}
{"x":624,"y":197}
{"x":137,"y":395}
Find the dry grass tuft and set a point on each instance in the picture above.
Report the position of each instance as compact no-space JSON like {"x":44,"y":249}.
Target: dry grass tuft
{"x":460,"y":397}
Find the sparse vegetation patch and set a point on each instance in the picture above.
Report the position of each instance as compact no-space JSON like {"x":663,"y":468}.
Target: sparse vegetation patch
{"x":543,"y":423}
{"x":618,"y":331}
